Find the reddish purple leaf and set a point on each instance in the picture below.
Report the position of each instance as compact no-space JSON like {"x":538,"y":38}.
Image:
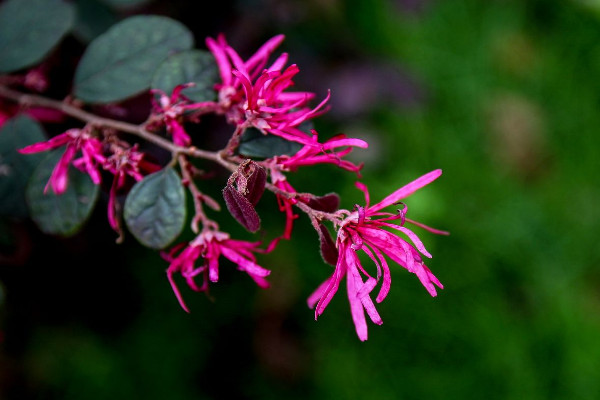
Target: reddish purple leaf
{"x":241,"y":209}
{"x":328,"y":250}
{"x":328,"y":203}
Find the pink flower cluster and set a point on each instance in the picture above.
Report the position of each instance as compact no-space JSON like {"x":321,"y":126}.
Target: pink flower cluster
{"x":209,"y":246}
{"x":171,"y":109}
{"x":365,"y":229}
{"x":254,"y":94}
{"x":110,"y":155}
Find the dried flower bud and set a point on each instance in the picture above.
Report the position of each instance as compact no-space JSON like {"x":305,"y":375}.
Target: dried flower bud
{"x":250,"y":179}
{"x":241,"y":208}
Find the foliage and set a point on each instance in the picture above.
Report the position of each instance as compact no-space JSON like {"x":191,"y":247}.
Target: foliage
{"x":500,"y":95}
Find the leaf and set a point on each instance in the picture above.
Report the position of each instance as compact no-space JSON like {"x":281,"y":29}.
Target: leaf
{"x":241,"y":209}
{"x":328,"y":203}
{"x":253,"y":143}
{"x":126,"y":4}
{"x":195,"y":66}
{"x":15,"y":168}
{"x":30,"y":29}
{"x":327,"y":245}
{"x":93,"y":19}
{"x":61,"y":214}
{"x":155,"y":209}
{"x":121,"y":62}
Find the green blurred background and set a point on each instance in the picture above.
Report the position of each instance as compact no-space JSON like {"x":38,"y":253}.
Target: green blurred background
{"x":502,"y":95}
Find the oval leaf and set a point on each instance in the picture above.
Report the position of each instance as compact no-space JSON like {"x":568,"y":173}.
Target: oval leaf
{"x":15,"y":168}
{"x":121,"y":62}
{"x":253,"y":143}
{"x":328,"y":203}
{"x":93,"y":19}
{"x":126,"y":4}
{"x":64,"y":214}
{"x":196,"y":66}
{"x":29,"y":30}
{"x":155,"y":209}
{"x":241,"y":209}
{"x":327,"y":245}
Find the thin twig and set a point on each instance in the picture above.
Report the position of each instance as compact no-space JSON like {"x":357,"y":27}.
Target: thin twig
{"x":95,"y":120}
{"x":220,"y":157}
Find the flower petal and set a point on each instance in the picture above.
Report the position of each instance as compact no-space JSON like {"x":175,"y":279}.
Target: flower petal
{"x":243,"y":263}
{"x":406,"y":190}
{"x":356,"y":308}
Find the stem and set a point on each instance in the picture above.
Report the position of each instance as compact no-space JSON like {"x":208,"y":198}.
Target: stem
{"x":138,"y":130}
{"x":222,"y":157}
{"x":311,"y":212}
{"x":200,"y":216}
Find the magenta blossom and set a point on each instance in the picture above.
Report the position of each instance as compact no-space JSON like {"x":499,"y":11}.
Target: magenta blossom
{"x":254,"y":96}
{"x":323,"y":153}
{"x":285,"y":204}
{"x":309,"y":154}
{"x":209,"y":246}
{"x":124,"y":162}
{"x":40,"y":114}
{"x":173,"y":107}
{"x":75,"y":140}
{"x":364,"y":230}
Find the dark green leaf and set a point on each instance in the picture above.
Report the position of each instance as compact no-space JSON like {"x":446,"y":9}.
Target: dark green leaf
{"x":253,"y":143}
{"x":29,"y":30}
{"x":126,"y":4}
{"x":93,"y":19}
{"x":122,"y":61}
{"x":64,"y":214}
{"x":15,"y":168}
{"x":155,"y":209}
{"x":195,"y":66}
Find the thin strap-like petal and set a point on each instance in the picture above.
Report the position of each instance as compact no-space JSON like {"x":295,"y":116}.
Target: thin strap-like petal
{"x":222,"y":60}
{"x":243,"y":263}
{"x":407,"y":190}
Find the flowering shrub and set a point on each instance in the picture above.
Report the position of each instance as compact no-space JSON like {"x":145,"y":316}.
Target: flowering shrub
{"x":271,"y":137}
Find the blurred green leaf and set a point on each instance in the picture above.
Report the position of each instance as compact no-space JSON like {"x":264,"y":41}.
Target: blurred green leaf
{"x":121,"y":62}
{"x":155,"y":209}
{"x":254,"y":143}
{"x":62,"y":214}
{"x":29,"y":30}
{"x":93,"y":19}
{"x":15,"y":168}
{"x":196,"y":66}
{"x":125,"y":4}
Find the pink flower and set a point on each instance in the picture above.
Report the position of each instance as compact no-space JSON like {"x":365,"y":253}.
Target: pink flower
{"x":40,"y":114}
{"x":209,"y":246}
{"x":75,"y":140}
{"x":173,"y":107}
{"x":364,"y":230}
{"x":285,"y":204}
{"x":124,"y":162}
{"x":323,"y":153}
{"x":309,"y":154}
{"x":254,"y":96}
